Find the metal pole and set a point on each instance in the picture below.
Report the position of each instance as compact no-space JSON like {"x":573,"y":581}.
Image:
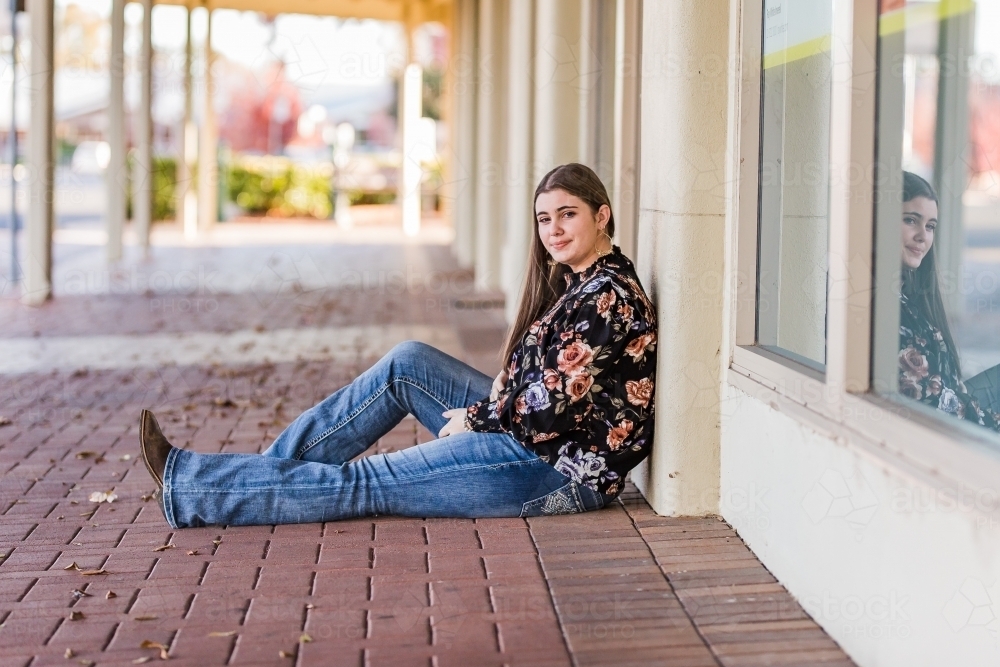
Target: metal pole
{"x":13,"y":142}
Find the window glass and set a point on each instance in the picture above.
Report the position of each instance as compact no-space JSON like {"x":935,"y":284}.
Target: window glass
{"x":794,"y":179}
{"x":937,"y":240}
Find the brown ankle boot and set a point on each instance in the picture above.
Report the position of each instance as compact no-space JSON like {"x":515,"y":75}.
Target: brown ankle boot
{"x":154,"y":446}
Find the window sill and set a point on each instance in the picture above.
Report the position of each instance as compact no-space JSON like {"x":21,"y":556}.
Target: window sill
{"x":950,"y":458}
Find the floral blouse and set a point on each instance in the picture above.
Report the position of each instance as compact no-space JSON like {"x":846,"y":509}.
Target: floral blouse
{"x":580,"y":387}
{"x":927,"y":375}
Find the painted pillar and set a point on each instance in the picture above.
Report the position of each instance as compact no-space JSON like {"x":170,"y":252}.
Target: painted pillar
{"x":208,"y":144}
{"x":117,"y":173}
{"x":464,"y":134}
{"x":956,"y":44}
{"x":490,"y":141}
{"x":625,"y":179}
{"x":558,"y":28}
{"x":37,"y":284}
{"x":142,"y":174}
{"x":186,"y":202}
{"x":410,"y":108}
{"x":518,"y":173}
{"x":682,"y":241}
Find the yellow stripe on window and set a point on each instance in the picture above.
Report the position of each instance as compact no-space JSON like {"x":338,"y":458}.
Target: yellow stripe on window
{"x":910,"y":17}
{"x":798,"y":52}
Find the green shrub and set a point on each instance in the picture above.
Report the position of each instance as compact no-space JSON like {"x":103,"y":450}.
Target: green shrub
{"x":164,"y":187}
{"x":358,"y":197}
{"x":276,"y":186}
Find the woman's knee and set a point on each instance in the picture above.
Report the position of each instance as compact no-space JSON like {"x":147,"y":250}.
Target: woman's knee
{"x":409,"y":351}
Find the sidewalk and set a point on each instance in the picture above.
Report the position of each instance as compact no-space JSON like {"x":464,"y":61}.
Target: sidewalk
{"x":377,"y":591}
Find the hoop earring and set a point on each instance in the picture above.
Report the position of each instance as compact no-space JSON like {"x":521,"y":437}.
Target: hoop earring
{"x":611,"y":244}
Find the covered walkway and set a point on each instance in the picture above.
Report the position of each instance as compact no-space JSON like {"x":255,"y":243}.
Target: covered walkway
{"x":382,"y":591}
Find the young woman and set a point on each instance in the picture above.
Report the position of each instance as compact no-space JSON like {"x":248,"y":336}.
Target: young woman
{"x":562,"y":424}
{"x":929,"y":369}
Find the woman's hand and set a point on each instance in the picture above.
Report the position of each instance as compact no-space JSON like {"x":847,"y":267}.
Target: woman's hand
{"x":498,"y":384}
{"x":456,"y":423}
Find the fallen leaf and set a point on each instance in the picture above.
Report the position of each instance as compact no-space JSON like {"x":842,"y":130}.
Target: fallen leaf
{"x":285,"y":654}
{"x":125,"y":457}
{"x":217,"y":541}
{"x":145,"y":617}
{"x":110,"y":594}
{"x":76,"y":616}
{"x":193,"y":552}
{"x":68,"y":654}
{"x":305,"y":639}
{"x":164,"y":547}
{"x":141,"y":661}
{"x":85,"y":455}
{"x":90,"y":573}
{"x":145,"y":497}
{"x":230,"y":633}
{"x":86,"y":663}
{"x":151,"y":644}
{"x":74,"y":502}
{"x":310,"y":605}
{"x":4,"y":421}
{"x":72,"y":566}
{"x":77,"y":594}
{"x":103,"y":497}
{"x":224,"y":403}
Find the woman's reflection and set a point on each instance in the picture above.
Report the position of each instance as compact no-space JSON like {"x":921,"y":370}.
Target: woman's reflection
{"x":929,"y":367}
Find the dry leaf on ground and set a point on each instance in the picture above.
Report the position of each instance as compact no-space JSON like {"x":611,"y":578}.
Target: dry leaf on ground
{"x":230,"y":633}
{"x":146,"y":643}
{"x":103,"y":497}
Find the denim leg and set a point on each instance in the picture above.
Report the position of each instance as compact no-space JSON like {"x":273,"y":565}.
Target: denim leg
{"x":462,"y":475}
{"x":413,"y":378}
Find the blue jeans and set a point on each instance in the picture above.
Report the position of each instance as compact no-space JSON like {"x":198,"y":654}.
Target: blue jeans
{"x":306,"y":474}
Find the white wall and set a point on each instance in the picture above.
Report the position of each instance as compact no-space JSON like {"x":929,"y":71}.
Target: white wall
{"x":899,"y":572}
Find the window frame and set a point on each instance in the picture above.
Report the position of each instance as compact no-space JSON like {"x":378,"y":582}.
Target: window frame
{"x":840,"y":402}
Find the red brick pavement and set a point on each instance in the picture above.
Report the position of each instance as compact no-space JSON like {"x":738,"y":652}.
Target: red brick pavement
{"x":621,"y":586}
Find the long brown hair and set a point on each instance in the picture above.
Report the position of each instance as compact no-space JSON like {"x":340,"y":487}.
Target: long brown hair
{"x":544,"y":284}
{"x":920,"y":285}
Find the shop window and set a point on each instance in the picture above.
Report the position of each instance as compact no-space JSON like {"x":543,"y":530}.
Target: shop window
{"x":936,"y":337}
{"x":794,"y":210}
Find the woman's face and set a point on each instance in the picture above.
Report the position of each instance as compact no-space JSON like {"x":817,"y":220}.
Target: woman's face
{"x":919,"y":222}
{"x":569,"y":230}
